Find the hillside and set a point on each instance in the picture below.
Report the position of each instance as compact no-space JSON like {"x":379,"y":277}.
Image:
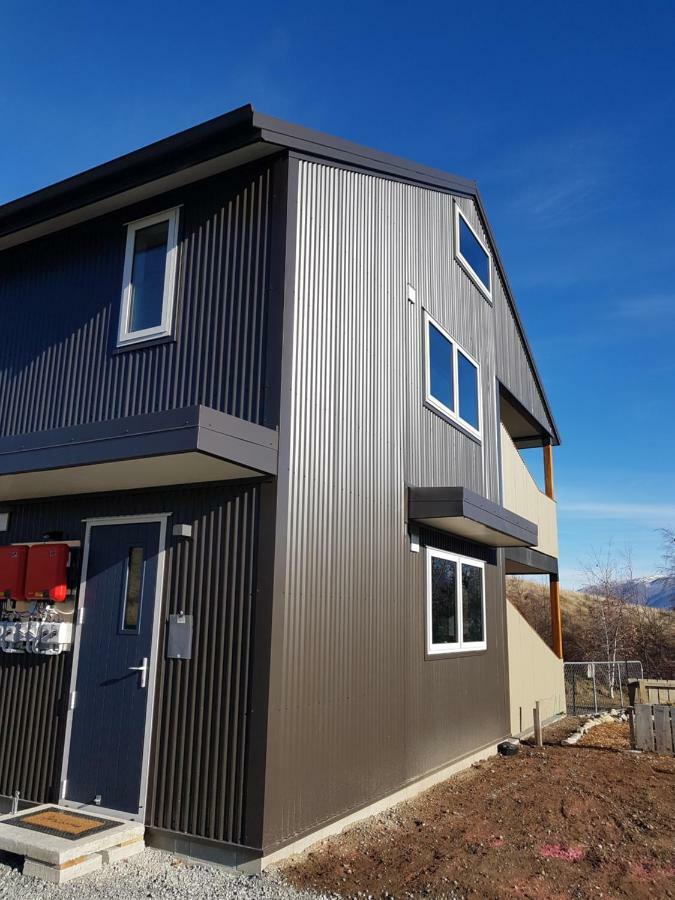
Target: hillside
{"x":643,"y":632}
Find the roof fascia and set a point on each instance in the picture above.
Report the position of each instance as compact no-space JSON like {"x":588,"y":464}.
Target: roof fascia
{"x":318,"y":144}
{"x":179,"y":151}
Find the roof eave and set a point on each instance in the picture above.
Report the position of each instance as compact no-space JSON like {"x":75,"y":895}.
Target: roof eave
{"x":215,"y":137}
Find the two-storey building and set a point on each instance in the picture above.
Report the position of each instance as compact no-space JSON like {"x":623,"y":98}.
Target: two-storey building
{"x":269,"y":388}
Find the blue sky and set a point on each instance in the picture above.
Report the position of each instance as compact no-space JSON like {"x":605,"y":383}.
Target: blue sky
{"x":563,"y":113}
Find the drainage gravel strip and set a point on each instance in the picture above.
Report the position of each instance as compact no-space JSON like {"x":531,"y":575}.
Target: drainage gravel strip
{"x":151,"y":874}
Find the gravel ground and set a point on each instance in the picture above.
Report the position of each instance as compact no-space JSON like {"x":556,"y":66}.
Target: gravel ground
{"x":151,"y":874}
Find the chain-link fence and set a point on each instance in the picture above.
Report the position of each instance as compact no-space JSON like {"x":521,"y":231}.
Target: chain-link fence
{"x":591,"y":687}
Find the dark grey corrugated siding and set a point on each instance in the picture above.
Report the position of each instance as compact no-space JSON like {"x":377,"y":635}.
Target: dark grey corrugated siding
{"x":30,"y":711}
{"x":198,"y":774}
{"x":356,"y":711}
{"x":60,"y":303}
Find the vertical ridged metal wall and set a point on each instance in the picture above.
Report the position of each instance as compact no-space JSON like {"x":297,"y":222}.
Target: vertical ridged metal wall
{"x":357,"y":710}
{"x":32,"y":692}
{"x":60,"y":300}
{"x":198,"y":772}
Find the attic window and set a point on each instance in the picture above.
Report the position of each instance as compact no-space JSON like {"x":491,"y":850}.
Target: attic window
{"x":149,"y":278}
{"x":472,"y":254}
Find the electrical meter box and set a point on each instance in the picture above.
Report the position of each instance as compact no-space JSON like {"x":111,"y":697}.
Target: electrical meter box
{"x":47,"y":572}
{"x":13,"y":573}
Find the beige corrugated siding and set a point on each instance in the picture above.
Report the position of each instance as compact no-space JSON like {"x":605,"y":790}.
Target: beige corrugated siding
{"x":535,"y":673}
{"x":521,"y":495}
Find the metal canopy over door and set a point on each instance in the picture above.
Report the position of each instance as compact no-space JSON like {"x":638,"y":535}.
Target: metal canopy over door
{"x":108,"y":733}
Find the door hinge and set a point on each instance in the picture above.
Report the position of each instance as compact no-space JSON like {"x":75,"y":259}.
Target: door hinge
{"x":73,"y":700}
{"x":80,"y":615}
{"x":64,"y":786}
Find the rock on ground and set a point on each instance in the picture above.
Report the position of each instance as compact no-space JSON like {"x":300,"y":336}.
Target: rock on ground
{"x":152,"y":874}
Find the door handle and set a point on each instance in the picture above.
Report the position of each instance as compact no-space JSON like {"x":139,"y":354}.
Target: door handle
{"x":143,"y":670}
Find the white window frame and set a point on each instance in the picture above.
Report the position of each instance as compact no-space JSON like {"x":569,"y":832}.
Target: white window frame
{"x":464,"y":263}
{"x":164,"y":329}
{"x":460,"y":646}
{"x":452,"y":414}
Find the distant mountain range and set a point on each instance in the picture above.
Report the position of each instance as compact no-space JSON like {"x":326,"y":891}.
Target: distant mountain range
{"x":657,"y":591}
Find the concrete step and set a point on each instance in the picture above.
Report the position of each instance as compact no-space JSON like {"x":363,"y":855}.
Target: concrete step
{"x":60,"y":844}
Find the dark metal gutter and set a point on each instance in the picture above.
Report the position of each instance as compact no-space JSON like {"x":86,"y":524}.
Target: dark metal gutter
{"x":334,"y":149}
{"x":202,"y":142}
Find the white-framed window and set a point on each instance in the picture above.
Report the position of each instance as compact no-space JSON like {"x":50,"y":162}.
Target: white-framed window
{"x":472,"y":254}
{"x":452,"y":378}
{"x":455,"y":603}
{"x":149,"y":283}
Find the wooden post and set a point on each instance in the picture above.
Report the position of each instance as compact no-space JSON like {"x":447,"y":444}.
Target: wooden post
{"x":536,"y":715}
{"x":548,"y":470}
{"x":556,"y":621}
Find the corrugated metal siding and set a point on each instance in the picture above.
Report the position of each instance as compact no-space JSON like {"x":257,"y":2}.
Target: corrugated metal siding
{"x":31,"y":711}
{"x":198,"y":773}
{"x":60,"y":305}
{"x":360,"y":712}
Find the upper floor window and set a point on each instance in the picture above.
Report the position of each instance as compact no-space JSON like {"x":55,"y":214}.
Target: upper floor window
{"x":455,"y":603}
{"x":453,"y":378}
{"x":149,"y":278}
{"x":472,"y":254}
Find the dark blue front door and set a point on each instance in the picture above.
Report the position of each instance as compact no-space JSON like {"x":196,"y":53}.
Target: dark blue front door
{"x":109,"y":719}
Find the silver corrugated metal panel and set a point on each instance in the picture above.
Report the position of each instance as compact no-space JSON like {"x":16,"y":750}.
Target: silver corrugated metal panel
{"x":60,"y":304}
{"x":360,"y":712}
{"x":198,"y":772}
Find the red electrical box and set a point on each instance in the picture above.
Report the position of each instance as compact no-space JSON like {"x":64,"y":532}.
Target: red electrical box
{"x":13,"y":573}
{"x":46,"y":575}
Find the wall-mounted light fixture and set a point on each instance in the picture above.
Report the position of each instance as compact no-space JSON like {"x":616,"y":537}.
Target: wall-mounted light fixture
{"x":182,"y":531}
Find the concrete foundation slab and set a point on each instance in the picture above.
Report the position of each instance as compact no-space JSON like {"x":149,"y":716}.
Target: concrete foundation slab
{"x":56,"y":851}
{"x":76,"y":868}
{"x":125,"y":851}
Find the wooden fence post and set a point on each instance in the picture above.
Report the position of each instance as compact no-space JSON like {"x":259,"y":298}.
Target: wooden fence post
{"x":538,"y":736}
{"x":631,"y":722}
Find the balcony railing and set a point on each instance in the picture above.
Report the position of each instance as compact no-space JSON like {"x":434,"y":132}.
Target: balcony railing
{"x":522,"y":495}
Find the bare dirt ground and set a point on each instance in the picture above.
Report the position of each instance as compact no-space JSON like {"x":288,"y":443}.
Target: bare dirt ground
{"x":558,"y":822}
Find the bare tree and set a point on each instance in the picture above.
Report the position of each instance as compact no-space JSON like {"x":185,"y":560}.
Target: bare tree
{"x":668,"y":536}
{"x":612,"y":583}
{"x":626,"y":625}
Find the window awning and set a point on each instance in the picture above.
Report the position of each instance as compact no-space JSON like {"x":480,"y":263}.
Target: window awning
{"x":182,"y":446}
{"x":525,"y":561}
{"x":460,"y":511}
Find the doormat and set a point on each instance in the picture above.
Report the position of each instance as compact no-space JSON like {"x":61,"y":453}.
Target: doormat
{"x":62,"y":824}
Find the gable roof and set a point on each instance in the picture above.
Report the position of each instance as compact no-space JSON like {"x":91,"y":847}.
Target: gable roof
{"x":234,"y":138}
